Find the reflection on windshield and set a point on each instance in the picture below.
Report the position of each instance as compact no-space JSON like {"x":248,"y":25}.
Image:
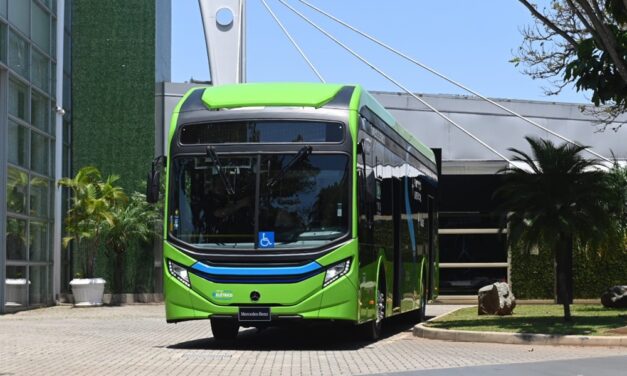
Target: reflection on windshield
{"x":308,"y":207}
{"x":204,"y":212}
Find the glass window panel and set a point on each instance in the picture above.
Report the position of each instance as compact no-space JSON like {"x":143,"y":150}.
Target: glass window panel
{"x":16,"y":287}
{"x":52,"y":117}
{"x":473,"y":248}
{"x":19,"y":15}
{"x":469,"y":280}
{"x":18,"y":95}
{"x":66,"y":129}
{"x":40,"y":112}
{"x":16,"y":239}
{"x":67,"y":93}
{"x":53,"y":81}
{"x":40,"y":153}
{"x":67,"y":58}
{"x":18,"y":54}
{"x":41,"y":28}
{"x":262,"y":131}
{"x":470,"y":220}
{"x":3,"y":42}
{"x":3,"y":7}
{"x":66,"y":158}
{"x":51,"y":158}
{"x":53,"y":39}
{"x":18,"y":144}
{"x":68,"y":14}
{"x":39,"y":197}
{"x":17,"y":185}
{"x":39,"y":242}
{"x":39,"y":282}
{"x":41,"y":75}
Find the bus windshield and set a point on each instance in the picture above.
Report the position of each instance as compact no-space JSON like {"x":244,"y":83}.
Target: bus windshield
{"x":277,"y":200}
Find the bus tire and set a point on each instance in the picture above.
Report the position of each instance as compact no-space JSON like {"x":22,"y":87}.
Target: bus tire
{"x":371,"y":331}
{"x":224,"y":329}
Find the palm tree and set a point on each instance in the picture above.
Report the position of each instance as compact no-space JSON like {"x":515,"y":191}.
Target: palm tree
{"x":555,"y":199}
{"x":129,"y":224}
{"x":92,"y":200}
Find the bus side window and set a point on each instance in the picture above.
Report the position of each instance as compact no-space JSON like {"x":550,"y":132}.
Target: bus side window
{"x":361,"y":184}
{"x":364,"y":190}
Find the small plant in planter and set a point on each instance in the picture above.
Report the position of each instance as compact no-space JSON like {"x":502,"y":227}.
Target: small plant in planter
{"x":130,"y":224}
{"x":91,"y":212}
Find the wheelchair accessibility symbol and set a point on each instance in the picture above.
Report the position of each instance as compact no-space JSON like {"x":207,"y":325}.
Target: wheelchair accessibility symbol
{"x":266,"y":239}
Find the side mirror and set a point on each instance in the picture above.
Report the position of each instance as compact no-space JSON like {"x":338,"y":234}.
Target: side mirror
{"x":360,"y":147}
{"x":361,"y":151}
{"x":153,"y":181}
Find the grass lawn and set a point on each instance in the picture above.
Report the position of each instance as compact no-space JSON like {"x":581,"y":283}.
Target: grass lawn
{"x":588,"y":319}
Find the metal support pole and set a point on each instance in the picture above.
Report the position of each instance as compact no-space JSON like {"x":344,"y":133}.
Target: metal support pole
{"x":58,"y":157}
{"x":3,"y":182}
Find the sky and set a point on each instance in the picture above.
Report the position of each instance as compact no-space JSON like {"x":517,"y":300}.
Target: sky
{"x":469,"y":41}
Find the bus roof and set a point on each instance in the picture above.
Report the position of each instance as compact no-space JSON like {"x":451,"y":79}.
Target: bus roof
{"x":270,"y":94}
{"x":368,"y":100}
{"x":285,"y":94}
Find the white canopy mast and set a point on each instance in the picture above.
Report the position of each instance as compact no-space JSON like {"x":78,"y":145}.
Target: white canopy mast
{"x":225,"y":35}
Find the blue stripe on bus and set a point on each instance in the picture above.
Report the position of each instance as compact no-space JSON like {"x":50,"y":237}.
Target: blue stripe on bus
{"x":257,"y":271}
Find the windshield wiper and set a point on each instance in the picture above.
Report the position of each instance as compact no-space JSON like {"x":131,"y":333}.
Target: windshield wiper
{"x":216,"y":161}
{"x":301,"y":155}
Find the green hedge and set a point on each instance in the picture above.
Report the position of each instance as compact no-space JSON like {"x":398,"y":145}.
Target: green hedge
{"x":113,"y":119}
{"x":532,"y":276}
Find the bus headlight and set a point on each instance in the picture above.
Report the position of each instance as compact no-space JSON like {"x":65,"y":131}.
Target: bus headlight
{"x":334,"y":272}
{"x":179,"y":272}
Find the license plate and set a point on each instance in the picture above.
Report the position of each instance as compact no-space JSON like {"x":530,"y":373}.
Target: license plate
{"x":254,"y":314}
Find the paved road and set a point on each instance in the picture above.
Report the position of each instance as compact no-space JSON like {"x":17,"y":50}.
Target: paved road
{"x":609,"y":366}
{"x":136,"y":340}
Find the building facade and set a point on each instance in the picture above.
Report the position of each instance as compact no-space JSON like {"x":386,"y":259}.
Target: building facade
{"x":473,"y":247}
{"x":28,"y":91}
{"x":113,"y":55}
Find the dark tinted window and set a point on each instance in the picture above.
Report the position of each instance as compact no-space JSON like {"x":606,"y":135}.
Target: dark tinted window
{"x":262,"y":132}
{"x":473,"y":248}
{"x":307,"y":207}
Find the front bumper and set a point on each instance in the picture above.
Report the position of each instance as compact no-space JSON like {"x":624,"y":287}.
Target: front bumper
{"x":305,"y":299}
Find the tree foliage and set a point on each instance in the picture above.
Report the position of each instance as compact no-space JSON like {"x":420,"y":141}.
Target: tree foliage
{"x":554,"y":199}
{"x":91,"y":211}
{"x":580,"y":42}
{"x":134,"y":222}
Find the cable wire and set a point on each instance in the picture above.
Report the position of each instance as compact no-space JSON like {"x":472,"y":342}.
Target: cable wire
{"x":294,"y":43}
{"x":395,"y":82}
{"x":458,"y":84}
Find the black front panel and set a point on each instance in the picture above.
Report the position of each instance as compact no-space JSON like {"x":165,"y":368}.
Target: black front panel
{"x":258,"y":201}
{"x":268,"y":131}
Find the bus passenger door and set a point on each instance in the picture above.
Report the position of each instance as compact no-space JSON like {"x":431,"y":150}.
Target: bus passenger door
{"x":365,"y":229}
{"x":397,"y":194}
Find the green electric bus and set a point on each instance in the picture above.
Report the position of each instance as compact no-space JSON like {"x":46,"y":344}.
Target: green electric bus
{"x":295,"y":202}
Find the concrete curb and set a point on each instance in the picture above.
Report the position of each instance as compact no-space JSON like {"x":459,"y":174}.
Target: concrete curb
{"x":423,"y":331}
{"x":139,"y":298}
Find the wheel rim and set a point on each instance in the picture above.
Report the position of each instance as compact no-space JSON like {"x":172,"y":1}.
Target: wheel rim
{"x":380,"y":307}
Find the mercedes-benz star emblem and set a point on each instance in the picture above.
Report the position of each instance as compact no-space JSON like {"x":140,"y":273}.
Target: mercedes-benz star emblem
{"x":254,"y":296}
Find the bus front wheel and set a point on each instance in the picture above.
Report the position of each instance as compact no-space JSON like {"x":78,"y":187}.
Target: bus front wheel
{"x":224,"y":329}
{"x":371,"y":330}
